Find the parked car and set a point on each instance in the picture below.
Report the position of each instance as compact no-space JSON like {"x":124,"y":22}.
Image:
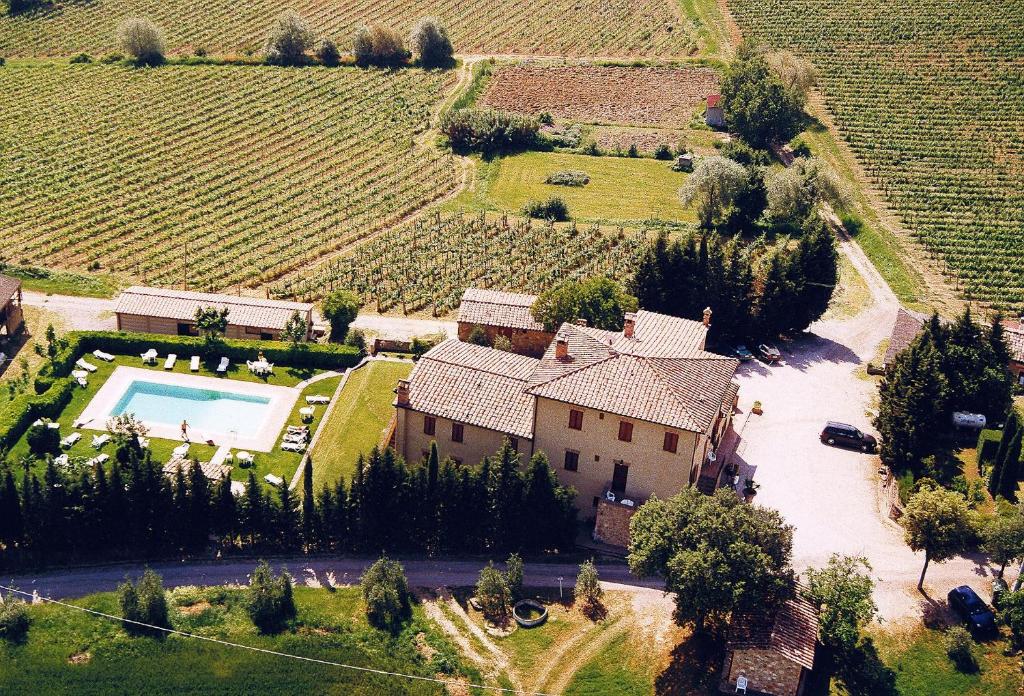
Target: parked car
{"x":742,"y":353}
{"x":846,"y":435}
{"x":966,"y":603}
{"x":769,"y":353}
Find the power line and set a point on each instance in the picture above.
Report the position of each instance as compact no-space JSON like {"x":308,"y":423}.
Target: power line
{"x":382,"y":672}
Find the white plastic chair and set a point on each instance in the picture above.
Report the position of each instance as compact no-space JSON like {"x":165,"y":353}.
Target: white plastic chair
{"x":741,"y":685}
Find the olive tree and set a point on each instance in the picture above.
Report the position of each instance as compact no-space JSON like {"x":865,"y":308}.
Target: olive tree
{"x":327,"y":53}
{"x":842,"y":592}
{"x":289,"y":40}
{"x":386,"y":591}
{"x":142,"y":40}
{"x":797,"y":74}
{"x":377,"y":45}
{"x":494,"y":595}
{"x":794,"y":192}
{"x":713,"y":186}
{"x":429,"y":40}
{"x":340,"y":308}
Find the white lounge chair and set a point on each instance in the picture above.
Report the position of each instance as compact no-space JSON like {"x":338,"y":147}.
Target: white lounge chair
{"x":295,"y":437}
{"x":307,"y":413}
{"x":289,"y":446}
{"x":273,"y":480}
{"x":71,"y":440}
{"x":149,"y":357}
{"x":82,"y":382}
{"x":88,"y":367}
{"x":318,"y":399}
{"x":62,"y":460}
{"x":53,"y":425}
{"x":194,"y":363}
{"x":101,"y":459}
{"x":99,"y":440}
{"x":169,"y":362}
{"x":223,"y":366}
{"x":180,"y":451}
{"x":103,"y":356}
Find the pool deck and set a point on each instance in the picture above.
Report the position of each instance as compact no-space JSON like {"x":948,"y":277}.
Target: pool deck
{"x":282,"y":400}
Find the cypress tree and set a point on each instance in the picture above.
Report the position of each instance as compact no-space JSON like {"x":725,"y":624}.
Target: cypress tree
{"x":116,"y":519}
{"x":1010,"y":471}
{"x":309,"y":516}
{"x":287,"y":515}
{"x":225,"y":512}
{"x":506,"y":498}
{"x":323,"y":530}
{"x":254,"y":512}
{"x":200,"y":505}
{"x":11,"y":525}
{"x":1010,"y":429}
{"x":180,"y":532}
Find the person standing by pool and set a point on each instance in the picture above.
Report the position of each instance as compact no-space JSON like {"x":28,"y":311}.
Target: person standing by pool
{"x":184,"y":430}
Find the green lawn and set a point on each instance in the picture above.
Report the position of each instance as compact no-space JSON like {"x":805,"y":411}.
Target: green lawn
{"x":919,"y":661}
{"x":276,"y":462}
{"x":358,"y":421}
{"x":620,"y":188}
{"x":619,"y":670}
{"x":54,"y":282}
{"x":70,"y":652}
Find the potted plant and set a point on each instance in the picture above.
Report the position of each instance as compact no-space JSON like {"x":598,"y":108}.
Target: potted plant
{"x":756,"y":408}
{"x":750,"y":489}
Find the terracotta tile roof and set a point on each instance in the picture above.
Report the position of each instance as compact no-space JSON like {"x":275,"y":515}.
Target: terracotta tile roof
{"x":904,"y":330}
{"x":714,"y":100}
{"x":1015,"y":340}
{"x":475,"y":385}
{"x":496,"y":308}
{"x":792,"y":632}
{"x":8,"y":287}
{"x":181,"y":305}
{"x":661,"y":375}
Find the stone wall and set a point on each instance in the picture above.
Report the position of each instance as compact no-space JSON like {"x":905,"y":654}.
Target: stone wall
{"x":524,"y":341}
{"x":612,"y":525}
{"x":767,"y":672}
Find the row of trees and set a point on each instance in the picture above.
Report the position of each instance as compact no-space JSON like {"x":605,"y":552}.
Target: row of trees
{"x":291,"y":42}
{"x":946,"y":368}
{"x":1006,"y":467}
{"x":130,"y":509}
{"x":753,"y":291}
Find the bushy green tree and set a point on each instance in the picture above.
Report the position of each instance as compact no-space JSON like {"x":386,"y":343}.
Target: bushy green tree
{"x":842,"y":593}
{"x":1003,"y":535}
{"x":717,"y":554}
{"x":14,"y":620}
{"x":377,"y":45}
{"x":939,"y":523}
{"x":289,"y":40}
{"x":488,"y":131}
{"x":295,"y":330}
{"x":340,"y":308}
{"x":142,"y":40}
{"x":599,"y":301}
{"x":212,"y":324}
{"x":477,"y":336}
{"x":493,"y":593}
{"x":143,"y":603}
{"x":269,"y":601}
{"x":795,"y":192}
{"x":327,"y":53}
{"x":757,"y":104}
{"x":588,"y":589}
{"x":42,"y":440}
{"x":1011,"y":613}
{"x":429,"y":40}
{"x":514,"y":576}
{"x":713,"y":186}
{"x":386,"y":591}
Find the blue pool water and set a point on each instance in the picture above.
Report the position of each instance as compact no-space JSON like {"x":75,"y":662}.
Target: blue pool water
{"x":208,"y":412}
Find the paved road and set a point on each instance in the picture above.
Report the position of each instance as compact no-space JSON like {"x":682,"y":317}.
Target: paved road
{"x":421,"y":573}
{"x":831,"y":495}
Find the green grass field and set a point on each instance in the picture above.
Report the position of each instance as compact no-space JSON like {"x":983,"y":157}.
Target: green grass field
{"x":358,"y":421}
{"x":276,"y":462}
{"x":618,"y":670}
{"x":69,"y":652}
{"x":620,"y":188}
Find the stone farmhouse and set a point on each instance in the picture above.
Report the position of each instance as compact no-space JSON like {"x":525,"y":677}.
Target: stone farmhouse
{"x":629,"y":413}
{"x":505,"y":314}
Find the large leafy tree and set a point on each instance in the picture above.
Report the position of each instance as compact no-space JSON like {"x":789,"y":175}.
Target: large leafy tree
{"x":340,"y":309}
{"x":1003,"y":535}
{"x":599,"y":300}
{"x":717,"y":554}
{"x":757,"y":104}
{"x":713,"y":186}
{"x":938,"y":522}
{"x":842,"y":592}
{"x":386,"y":591}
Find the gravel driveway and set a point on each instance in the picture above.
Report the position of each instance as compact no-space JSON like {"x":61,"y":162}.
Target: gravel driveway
{"x":832,"y":495}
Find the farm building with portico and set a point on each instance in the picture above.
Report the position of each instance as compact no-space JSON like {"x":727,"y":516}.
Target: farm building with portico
{"x":635,"y":412}
{"x":163,"y":311}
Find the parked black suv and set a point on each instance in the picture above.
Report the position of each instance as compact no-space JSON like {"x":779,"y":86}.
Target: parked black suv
{"x":972,"y":610}
{"x":848,"y":436}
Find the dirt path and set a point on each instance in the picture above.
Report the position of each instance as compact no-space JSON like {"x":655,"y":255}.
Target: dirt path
{"x":572,"y":655}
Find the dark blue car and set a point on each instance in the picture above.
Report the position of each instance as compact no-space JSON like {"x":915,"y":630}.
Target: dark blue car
{"x":972,"y":610}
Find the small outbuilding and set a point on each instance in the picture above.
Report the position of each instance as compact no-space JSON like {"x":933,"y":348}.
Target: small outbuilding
{"x":163,"y":311}
{"x":714,"y":114}
{"x":772,"y":654}
{"x":1014,"y":333}
{"x":507,"y":314}
{"x":12,"y":317}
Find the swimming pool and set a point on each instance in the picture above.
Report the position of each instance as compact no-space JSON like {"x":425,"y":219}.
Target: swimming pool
{"x":222,"y":411}
{"x":206,"y":410}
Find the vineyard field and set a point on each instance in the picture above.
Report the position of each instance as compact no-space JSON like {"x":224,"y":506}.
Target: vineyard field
{"x":424,"y":266}
{"x":212,"y":177}
{"x":929,"y":94}
{"x":546,"y":27}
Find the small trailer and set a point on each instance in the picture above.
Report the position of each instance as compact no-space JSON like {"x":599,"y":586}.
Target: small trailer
{"x":971,"y":421}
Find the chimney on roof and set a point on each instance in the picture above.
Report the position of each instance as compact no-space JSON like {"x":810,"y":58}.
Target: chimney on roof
{"x":629,"y":325}
{"x":581,"y":322}
{"x":707,"y":316}
{"x":403,"y":393}
{"x":561,"y":347}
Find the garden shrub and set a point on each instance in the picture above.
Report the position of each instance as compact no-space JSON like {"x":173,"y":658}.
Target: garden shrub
{"x":144,"y":602}
{"x":80,"y":58}
{"x":988,"y":444}
{"x":27,"y":408}
{"x":568,"y":177}
{"x":143,"y":40}
{"x":111,"y":58}
{"x":960,"y":649}
{"x":553,"y":208}
{"x":270,"y":603}
{"x":488,"y":130}
{"x":327,"y":53}
{"x":386,"y":591}
{"x":663,"y":152}
{"x":378,"y":45}
{"x":493,"y":593}
{"x":14,"y":620}
{"x":429,"y":40}
{"x":43,"y":440}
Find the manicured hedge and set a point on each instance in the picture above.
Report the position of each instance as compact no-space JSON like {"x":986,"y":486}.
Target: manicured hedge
{"x":27,"y":408}
{"x":988,"y":443}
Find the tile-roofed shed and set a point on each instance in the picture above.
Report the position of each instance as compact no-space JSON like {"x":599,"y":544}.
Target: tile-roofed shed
{"x":905,"y":329}
{"x":8,"y":288}
{"x":181,"y":305}
{"x":1015,"y":341}
{"x":792,"y":632}
{"x":497,"y":308}
{"x":475,"y":385}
